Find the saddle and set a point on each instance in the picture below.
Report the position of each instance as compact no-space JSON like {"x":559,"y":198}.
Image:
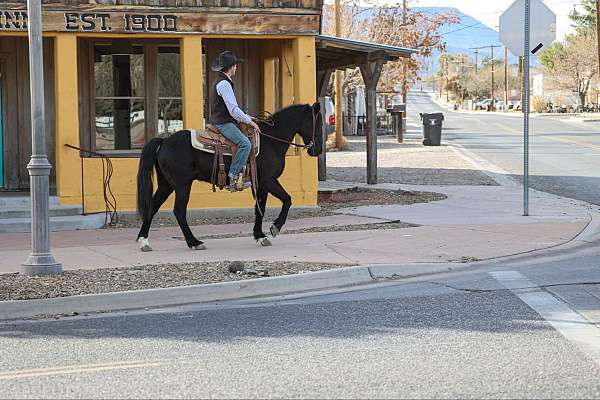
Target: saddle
{"x":210,"y":140}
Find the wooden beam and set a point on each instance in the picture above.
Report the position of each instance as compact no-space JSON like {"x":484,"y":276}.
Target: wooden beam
{"x":101,"y":20}
{"x":323,"y":77}
{"x":341,"y":62}
{"x":371,"y":71}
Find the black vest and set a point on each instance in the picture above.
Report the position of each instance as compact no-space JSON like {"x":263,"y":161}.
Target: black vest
{"x":219,"y":114}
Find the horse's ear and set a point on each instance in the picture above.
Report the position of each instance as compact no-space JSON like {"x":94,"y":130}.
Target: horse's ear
{"x":316,"y":108}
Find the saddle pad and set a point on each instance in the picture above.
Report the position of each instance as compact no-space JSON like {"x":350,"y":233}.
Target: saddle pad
{"x":209,"y":148}
{"x":205,"y":147}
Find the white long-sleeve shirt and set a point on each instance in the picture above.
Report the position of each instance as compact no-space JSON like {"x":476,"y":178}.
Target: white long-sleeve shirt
{"x":225,"y":90}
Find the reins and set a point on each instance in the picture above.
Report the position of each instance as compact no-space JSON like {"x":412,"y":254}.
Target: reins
{"x":267,"y":118}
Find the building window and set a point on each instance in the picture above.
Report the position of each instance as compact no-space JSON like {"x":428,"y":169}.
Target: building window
{"x":120,"y":97}
{"x":135,"y":93}
{"x":170,"y":118}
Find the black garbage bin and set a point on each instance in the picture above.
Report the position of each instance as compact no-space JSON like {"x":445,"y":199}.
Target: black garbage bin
{"x":432,"y":128}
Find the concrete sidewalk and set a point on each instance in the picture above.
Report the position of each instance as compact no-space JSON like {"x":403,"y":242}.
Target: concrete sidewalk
{"x":475,"y":222}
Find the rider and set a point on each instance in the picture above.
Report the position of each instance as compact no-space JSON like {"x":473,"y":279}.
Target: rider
{"x":225,"y":114}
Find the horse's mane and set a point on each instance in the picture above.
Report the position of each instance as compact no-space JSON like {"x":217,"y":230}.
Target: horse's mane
{"x":292,"y":107}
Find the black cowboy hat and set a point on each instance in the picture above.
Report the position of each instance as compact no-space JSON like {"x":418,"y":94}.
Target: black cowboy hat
{"x":225,"y":60}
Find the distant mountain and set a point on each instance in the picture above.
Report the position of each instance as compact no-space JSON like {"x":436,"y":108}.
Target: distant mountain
{"x":469,"y":33}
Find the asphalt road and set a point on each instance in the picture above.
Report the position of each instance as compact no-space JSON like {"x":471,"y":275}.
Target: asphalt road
{"x":461,"y":335}
{"x":564,"y":154}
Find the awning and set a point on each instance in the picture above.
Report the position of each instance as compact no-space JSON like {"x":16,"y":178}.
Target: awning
{"x":337,"y":53}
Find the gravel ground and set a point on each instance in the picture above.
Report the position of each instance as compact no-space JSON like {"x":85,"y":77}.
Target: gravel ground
{"x":407,"y":163}
{"x":105,"y":280}
{"x":328,"y":203}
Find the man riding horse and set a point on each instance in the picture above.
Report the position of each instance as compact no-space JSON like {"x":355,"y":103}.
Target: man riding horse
{"x":225,"y":114}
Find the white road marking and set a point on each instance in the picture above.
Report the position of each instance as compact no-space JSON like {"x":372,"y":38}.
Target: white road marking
{"x":75,"y":369}
{"x":557,"y":313}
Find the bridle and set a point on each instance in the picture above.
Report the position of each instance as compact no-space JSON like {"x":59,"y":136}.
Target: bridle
{"x":267,"y":118}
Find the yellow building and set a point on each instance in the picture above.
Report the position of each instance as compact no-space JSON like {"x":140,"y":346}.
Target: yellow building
{"x":118,"y":73}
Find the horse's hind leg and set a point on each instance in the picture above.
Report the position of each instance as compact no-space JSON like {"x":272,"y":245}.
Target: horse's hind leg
{"x":279,"y":192}
{"x":162,"y":193}
{"x":182,"y":197}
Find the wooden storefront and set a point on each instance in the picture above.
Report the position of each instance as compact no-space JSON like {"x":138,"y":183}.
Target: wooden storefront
{"x":120,"y":73}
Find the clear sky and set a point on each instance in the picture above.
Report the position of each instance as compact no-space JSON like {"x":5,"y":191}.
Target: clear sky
{"x":489,"y":11}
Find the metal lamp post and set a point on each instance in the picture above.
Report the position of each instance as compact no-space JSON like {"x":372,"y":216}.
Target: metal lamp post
{"x":40,"y":261}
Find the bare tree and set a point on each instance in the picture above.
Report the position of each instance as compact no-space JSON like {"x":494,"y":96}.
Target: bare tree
{"x":573,"y":63}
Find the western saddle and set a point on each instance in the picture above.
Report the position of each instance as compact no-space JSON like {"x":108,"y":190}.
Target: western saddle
{"x":210,"y":140}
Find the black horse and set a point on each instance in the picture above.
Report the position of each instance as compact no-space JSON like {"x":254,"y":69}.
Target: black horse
{"x":178,"y":164}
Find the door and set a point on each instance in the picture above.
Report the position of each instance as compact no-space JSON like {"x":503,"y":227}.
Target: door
{"x":1,"y":135}
{"x":16,"y":121}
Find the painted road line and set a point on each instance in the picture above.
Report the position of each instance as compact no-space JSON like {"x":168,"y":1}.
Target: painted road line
{"x":75,"y":369}
{"x":574,"y":142}
{"x":557,"y":313}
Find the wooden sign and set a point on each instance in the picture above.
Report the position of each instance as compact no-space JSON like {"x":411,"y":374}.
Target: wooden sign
{"x":134,"y":22}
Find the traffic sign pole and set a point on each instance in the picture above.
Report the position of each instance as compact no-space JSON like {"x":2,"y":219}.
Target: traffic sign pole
{"x":526,"y":111}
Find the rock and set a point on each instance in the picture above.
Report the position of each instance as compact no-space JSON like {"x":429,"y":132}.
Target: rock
{"x":236,"y":266}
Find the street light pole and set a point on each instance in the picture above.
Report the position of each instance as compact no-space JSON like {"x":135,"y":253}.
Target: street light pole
{"x":40,"y":261}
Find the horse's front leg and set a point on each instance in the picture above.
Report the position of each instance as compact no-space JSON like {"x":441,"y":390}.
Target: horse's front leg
{"x":182,"y":197}
{"x":279,"y":192}
{"x":259,"y":212}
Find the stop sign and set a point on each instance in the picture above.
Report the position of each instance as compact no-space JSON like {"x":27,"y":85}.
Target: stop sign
{"x":542,"y":27}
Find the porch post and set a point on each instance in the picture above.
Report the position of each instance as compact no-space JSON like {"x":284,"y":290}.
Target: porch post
{"x":40,"y":261}
{"x":68,"y":170}
{"x":305,"y":83}
{"x":323,"y":78}
{"x":371,"y":71}
{"x":191,"y":82}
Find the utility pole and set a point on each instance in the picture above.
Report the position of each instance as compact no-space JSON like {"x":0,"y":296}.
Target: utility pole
{"x":40,"y":261}
{"x":476,"y":52}
{"x":492,"y":47}
{"x":447,"y":98}
{"x":521,"y":84}
{"x":598,"y":40}
{"x":339,"y":121}
{"x":404,"y":69}
{"x":505,"y":78}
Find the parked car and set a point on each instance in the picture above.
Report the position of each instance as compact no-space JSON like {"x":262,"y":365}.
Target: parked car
{"x":485,"y":104}
{"x":329,"y":116}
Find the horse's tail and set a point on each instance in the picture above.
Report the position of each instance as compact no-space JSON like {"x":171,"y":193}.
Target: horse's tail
{"x":144,"y":178}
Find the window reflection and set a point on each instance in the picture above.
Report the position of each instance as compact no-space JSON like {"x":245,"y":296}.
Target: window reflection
{"x":170,"y":118}
{"x":119,"y":82}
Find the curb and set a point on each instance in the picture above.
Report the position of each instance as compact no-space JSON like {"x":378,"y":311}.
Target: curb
{"x":212,"y":292}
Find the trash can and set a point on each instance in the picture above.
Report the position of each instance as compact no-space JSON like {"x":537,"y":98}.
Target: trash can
{"x":432,"y":128}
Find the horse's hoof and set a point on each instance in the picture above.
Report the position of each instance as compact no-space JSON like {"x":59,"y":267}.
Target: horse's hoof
{"x":263,"y":242}
{"x":144,"y":244}
{"x":274,"y":230}
{"x":198,"y":247}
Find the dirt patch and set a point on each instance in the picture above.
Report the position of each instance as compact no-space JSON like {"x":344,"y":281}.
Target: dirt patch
{"x":329,"y":203}
{"x":106,"y":280}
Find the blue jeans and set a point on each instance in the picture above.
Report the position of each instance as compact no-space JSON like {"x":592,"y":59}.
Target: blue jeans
{"x":233,"y":133}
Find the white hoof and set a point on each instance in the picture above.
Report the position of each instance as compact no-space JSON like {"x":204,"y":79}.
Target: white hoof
{"x":264,"y":242}
{"x":144,"y":244}
{"x":198,"y":247}
{"x":274,"y":230}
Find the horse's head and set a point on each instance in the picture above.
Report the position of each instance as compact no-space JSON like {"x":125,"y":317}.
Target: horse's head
{"x":310,"y":129}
